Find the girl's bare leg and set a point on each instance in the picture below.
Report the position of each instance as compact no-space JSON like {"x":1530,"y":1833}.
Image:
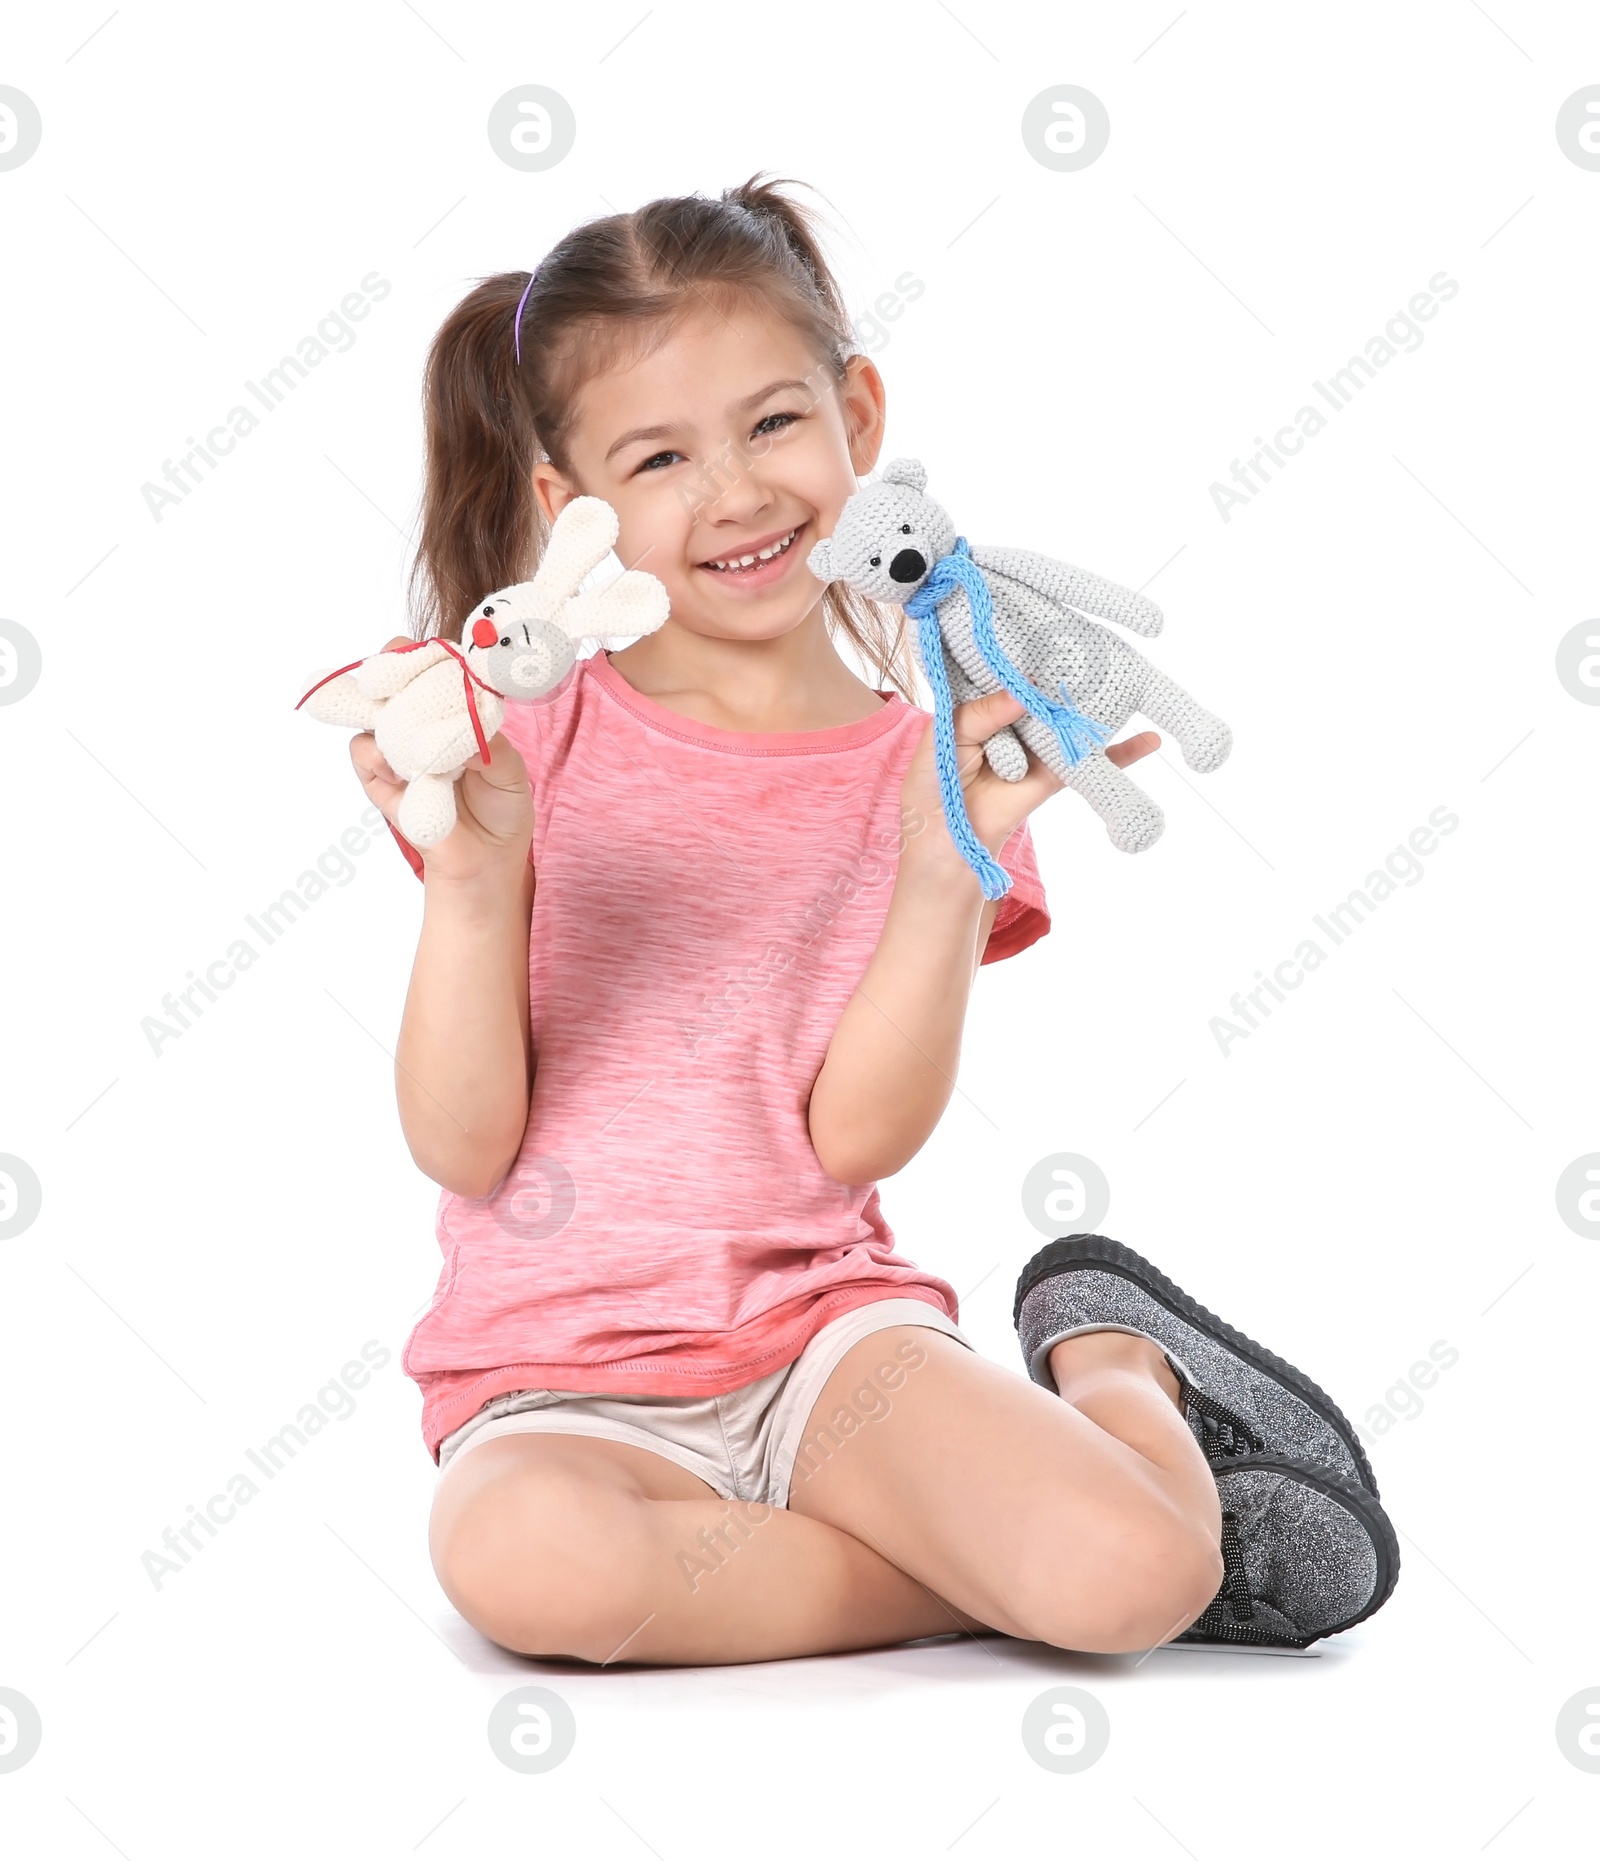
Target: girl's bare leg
{"x":967,"y":1498}
{"x":578,"y":1547}
{"x":1089,"y":1520}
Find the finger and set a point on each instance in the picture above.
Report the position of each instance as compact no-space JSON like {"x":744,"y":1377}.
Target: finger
{"x":977,"y":719}
{"x":371,"y":764}
{"x":1133,"y":748}
{"x":394,"y":645}
{"x":1037,"y":785}
{"x":505,"y":768}
{"x":380,"y":782}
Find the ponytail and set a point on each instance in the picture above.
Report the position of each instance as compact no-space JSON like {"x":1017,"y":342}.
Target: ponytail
{"x":480,"y":520}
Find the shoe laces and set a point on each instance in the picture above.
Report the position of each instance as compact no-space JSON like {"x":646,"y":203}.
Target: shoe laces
{"x":1223,"y":1433}
{"x":1235,"y":1591}
{"x":1230,"y":1615}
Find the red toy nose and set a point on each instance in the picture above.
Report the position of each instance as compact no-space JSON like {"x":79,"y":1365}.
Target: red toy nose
{"x":484,"y":632}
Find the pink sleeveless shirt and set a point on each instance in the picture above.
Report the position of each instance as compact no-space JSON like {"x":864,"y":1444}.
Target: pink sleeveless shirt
{"x":705,"y":903}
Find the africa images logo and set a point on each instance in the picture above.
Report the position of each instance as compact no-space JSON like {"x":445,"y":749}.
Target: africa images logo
{"x":1403,"y":867}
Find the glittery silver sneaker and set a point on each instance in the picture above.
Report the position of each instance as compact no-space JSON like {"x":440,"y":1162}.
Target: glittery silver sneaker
{"x":1239,"y":1398}
{"x":1305,"y":1554}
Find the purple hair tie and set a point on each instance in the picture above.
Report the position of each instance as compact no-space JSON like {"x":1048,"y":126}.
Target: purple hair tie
{"x":521,"y":301}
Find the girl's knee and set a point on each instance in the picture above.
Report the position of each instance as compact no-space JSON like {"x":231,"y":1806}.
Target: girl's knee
{"x":546,"y":1564}
{"x":1122,"y":1595}
{"x":1179,"y":1584}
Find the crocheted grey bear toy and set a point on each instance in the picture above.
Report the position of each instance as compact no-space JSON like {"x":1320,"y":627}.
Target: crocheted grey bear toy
{"x":996,"y":617}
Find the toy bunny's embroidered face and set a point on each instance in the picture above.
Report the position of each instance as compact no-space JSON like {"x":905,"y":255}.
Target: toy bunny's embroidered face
{"x":889,"y":535}
{"x":521,"y":658}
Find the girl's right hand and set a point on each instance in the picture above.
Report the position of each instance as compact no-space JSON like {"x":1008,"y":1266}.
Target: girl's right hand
{"x":494,"y":807}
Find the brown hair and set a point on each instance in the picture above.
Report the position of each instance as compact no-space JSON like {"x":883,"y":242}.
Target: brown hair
{"x":608,"y":288}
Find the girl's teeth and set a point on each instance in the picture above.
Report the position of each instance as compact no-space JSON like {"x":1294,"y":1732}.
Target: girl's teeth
{"x":765,"y":555}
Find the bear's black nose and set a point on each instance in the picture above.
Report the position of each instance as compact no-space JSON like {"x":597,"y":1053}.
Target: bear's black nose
{"x":909,"y":565}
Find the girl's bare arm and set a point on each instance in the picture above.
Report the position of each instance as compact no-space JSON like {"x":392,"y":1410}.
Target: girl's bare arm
{"x":464,"y":1060}
{"x":891,"y":1065}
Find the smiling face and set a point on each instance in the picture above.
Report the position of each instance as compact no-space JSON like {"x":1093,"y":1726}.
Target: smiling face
{"x":726,"y":452}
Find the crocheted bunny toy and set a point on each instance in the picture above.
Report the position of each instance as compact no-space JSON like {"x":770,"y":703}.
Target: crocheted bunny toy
{"x":429,"y":705}
{"x":989,"y":618}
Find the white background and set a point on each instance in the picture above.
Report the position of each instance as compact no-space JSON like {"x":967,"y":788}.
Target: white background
{"x":1370,"y":1171}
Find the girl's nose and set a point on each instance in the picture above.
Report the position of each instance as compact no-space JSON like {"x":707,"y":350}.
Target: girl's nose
{"x":484,"y":632}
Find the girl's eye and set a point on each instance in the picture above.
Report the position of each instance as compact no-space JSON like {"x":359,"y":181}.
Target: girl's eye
{"x":658,"y":460}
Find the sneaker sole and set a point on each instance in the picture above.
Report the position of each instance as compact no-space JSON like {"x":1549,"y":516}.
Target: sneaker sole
{"x":1098,"y":1250}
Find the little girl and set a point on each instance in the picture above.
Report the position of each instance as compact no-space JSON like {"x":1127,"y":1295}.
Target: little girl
{"x":691,"y":977}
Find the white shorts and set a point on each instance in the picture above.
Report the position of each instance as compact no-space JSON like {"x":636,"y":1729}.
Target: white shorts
{"x":743,"y":1444}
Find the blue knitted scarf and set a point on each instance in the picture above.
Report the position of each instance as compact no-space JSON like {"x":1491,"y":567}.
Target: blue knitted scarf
{"x":1078,"y":735}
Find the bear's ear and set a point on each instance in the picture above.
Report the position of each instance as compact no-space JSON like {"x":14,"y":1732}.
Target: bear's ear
{"x":820,"y":561}
{"x":906,"y":472}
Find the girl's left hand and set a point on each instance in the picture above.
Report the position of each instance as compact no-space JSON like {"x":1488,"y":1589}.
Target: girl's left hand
{"x":995,"y":808}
